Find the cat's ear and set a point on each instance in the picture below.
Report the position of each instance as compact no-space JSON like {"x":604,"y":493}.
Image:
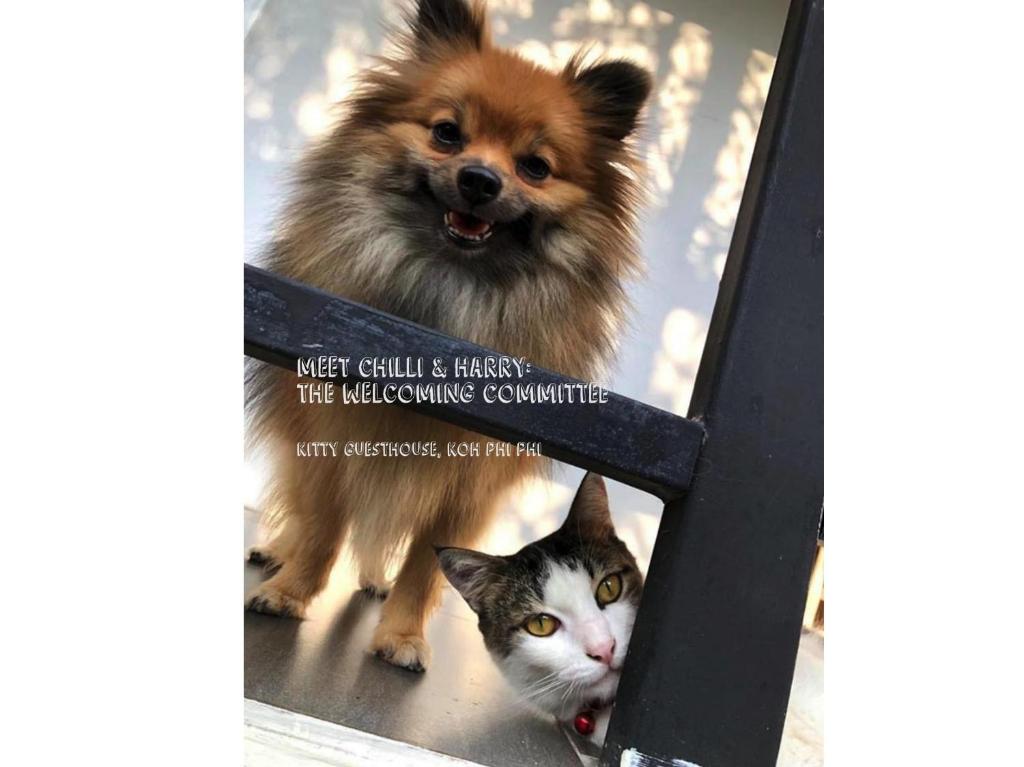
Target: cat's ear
{"x":470,"y":572}
{"x":589,"y":516}
{"x":448,"y":22}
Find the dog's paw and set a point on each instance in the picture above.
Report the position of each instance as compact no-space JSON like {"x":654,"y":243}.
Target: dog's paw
{"x":407,"y":651}
{"x":270,"y":601}
{"x":374,"y":588}
{"x":262,"y":556}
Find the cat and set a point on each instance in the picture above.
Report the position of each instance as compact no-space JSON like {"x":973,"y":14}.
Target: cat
{"x":557,"y":615}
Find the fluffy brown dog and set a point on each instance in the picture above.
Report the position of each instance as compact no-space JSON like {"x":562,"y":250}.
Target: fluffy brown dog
{"x":473,"y":192}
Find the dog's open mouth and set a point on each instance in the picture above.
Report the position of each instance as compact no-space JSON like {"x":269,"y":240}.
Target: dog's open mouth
{"x":467,"y":229}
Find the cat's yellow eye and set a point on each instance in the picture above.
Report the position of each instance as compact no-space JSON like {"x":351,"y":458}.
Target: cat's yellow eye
{"x":542,"y":625}
{"x":609,"y":589}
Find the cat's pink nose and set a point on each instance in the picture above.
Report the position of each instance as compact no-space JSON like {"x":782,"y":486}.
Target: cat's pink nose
{"x":602,"y":651}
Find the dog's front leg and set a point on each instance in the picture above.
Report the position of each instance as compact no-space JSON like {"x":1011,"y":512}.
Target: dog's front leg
{"x":304,"y":551}
{"x":399,"y":636}
{"x":417,"y":590}
{"x":304,"y":573}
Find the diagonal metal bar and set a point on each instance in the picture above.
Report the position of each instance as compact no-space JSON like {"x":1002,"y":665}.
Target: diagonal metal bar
{"x":622,"y":439}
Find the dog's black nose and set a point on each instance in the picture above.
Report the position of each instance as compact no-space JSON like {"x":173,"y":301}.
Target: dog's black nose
{"x":478,"y":184}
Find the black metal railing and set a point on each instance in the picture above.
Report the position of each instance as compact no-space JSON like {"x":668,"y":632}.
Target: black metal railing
{"x":621,"y":438}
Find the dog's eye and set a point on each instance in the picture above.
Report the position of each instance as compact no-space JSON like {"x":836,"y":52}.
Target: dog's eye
{"x":534,"y":168}
{"x":447,"y":133}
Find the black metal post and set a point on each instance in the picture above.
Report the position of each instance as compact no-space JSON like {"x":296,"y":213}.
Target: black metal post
{"x":710,"y":664}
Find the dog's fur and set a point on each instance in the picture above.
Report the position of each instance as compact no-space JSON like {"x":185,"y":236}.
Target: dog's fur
{"x":366,"y":222}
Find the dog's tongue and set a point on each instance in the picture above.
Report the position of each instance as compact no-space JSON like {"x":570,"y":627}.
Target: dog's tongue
{"x":468,"y":224}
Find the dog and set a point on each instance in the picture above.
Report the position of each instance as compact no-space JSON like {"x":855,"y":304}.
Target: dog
{"x":470,"y":191}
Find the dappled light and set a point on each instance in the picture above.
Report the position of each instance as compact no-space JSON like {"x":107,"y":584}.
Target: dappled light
{"x":676,"y":362}
{"x":638,"y":529}
{"x":710,"y":241}
{"x":534,"y":509}
{"x":677,"y":96}
{"x":318,"y":110}
{"x":520,"y":9}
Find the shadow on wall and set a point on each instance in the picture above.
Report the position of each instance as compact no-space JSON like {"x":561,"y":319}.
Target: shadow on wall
{"x":712,"y":62}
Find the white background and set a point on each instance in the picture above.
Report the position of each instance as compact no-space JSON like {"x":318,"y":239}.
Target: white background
{"x":121,"y":201}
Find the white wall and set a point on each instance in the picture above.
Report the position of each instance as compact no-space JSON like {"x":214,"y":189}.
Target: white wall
{"x":712,"y":61}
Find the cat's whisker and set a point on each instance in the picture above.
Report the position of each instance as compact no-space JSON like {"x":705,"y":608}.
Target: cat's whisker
{"x":567,"y":694}
{"x":542,"y":680}
{"x":541,"y":689}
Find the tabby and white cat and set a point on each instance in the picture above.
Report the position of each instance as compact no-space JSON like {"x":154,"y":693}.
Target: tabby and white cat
{"x":557,"y":615}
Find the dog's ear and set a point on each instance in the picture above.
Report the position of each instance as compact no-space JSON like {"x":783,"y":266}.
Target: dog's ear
{"x":448,"y":22}
{"x":589,"y":516}
{"x":470,"y":572}
{"x":613,"y":94}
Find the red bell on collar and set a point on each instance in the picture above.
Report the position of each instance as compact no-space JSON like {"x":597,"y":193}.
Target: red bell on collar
{"x":584,"y":722}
